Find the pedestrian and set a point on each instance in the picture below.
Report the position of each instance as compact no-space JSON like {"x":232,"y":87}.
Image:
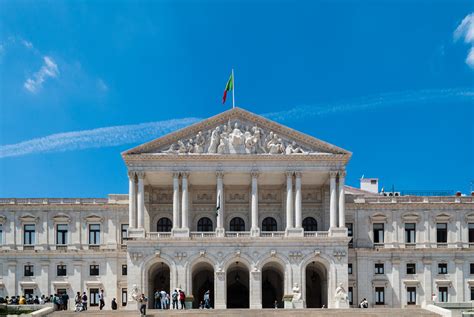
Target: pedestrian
{"x":207,"y":300}
{"x":275,"y":304}
{"x":433,"y":297}
{"x":113,"y":304}
{"x":65,"y":300}
{"x":143,"y":300}
{"x":101,"y":299}
{"x":163,"y":299}
{"x":174,"y":298}
{"x":156,"y":296}
{"x":84,"y":301}
{"x":182,"y":297}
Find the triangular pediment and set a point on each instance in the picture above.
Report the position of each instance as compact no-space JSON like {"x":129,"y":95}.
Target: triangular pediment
{"x":237,"y":132}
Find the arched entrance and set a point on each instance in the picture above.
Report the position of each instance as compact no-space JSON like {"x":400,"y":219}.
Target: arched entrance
{"x":237,"y":286}
{"x":316,"y":285}
{"x":158,"y":280}
{"x":272,"y":285}
{"x":203,"y":281}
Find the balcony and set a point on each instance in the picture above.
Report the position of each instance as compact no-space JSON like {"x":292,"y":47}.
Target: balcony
{"x":198,"y":235}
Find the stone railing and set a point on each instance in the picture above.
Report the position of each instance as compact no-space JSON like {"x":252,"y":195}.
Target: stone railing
{"x":53,"y":201}
{"x":235,"y":235}
{"x":272,"y":234}
{"x":202,"y":235}
{"x":158,"y":235}
{"x":414,"y":199}
{"x":316,"y":234}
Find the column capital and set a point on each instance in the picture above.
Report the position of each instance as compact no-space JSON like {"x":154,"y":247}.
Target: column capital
{"x":184,"y":174}
{"x":140,"y":175}
{"x":298,"y":174}
{"x":131,"y":175}
{"x":332,"y":174}
{"x":289,"y":173}
{"x":219,"y":174}
{"x":342,"y":174}
{"x":254,"y":173}
{"x":175,"y":174}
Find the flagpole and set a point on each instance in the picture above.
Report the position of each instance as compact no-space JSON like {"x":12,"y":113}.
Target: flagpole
{"x":233,"y":89}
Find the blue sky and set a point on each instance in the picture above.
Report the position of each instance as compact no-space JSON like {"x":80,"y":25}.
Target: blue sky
{"x":391,"y":81}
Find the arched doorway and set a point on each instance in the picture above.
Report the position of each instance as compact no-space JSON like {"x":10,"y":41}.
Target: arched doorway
{"x":272,"y":285}
{"x":202,"y":281}
{"x":316,"y":285}
{"x":158,"y":280}
{"x":238,"y":286}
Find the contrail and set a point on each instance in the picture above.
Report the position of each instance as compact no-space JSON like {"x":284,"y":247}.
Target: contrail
{"x":95,"y":138}
{"x":137,"y":133}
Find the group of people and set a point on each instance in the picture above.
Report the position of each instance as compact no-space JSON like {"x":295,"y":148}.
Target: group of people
{"x":163,"y":299}
{"x":26,"y":300}
{"x":81,"y":301}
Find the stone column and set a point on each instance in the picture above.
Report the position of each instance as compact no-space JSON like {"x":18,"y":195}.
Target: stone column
{"x":141,"y":200}
{"x":220,"y":202}
{"x":427,"y":281}
{"x":298,"y":211}
{"x":132,"y":201}
{"x":184,"y":200}
{"x":333,"y":202}
{"x":289,"y":200}
{"x":220,"y":289}
{"x":342,"y":200}
{"x":255,"y":289}
{"x":255,"y":230}
{"x":459,"y":280}
{"x":176,"y":223}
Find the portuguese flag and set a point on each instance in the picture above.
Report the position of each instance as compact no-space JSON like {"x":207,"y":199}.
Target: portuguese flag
{"x":228,"y":87}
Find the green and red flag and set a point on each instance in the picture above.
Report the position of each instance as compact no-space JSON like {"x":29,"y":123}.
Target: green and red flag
{"x":228,"y":87}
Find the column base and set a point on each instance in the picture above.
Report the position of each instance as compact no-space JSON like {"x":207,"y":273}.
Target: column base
{"x":136,"y":233}
{"x":298,"y":304}
{"x":220,"y":232}
{"x":294,"y":232}
{"x":255,"y":232}
{"x":180,"y":233}
{"x":338,"y":232}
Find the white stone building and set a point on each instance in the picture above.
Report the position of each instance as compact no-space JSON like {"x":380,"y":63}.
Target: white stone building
{"x":286,"y":224}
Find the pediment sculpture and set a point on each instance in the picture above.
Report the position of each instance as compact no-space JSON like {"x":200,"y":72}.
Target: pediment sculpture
{"x":236,"y":138}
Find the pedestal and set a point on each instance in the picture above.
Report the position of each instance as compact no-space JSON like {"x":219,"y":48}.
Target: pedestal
{"x":294,"y":232}
{"x":341,"y":304}
{"x":255,"y":232}
{"x":298,"y":304}
{"x":180,"y":232}
{"x":220,"y":232}
{"x":136,"y":233}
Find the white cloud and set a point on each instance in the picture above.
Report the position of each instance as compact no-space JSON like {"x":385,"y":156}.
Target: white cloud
{"x":101,"y":85}
{"x":466,"y":30}
{"x":27,"y":44}
{"x":49,"y":69}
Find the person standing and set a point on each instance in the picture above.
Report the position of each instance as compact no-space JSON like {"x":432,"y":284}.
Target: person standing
{"x":143,"y":300}
{"x":113,"y":304}
{"x":84,"y":301}
{"x":182,"y":298}
{"x":156,"y":296}
{"x":163,"y":299}
{"x":207,"y":300}
{"x":174,"y":298}
{"x":101,"y":299}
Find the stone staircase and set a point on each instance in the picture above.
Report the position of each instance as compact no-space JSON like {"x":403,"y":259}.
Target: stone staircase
{"x":353,"y":312}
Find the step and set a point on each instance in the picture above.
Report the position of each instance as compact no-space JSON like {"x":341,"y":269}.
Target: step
{"x":353,"y":312}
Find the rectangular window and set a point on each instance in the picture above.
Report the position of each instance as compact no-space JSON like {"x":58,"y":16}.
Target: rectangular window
{"x":94,"y":270}
{"x":443,"y":294}
{"x":471,"y":232}
{"x":61,"y":234}
{"x":350,"y":233}
{"x":350,"y":295}
{"x":94,"y":297}
{"x":124,"y":297}
{"x":379,"y":269}
{"x":61,"y":270}
{"x":29,"y":234}
{"x":378,"y":233}
{"x":442,"y":232}
{"x":411,"y":295}
{"x":471,"y":268}
{"x":94,"y":234}
{"x":124,"y":269}
{"x":410,"y":233}
{"x":1,"y":234}
{"x":411,"y":268}
{"x":442,"y":268}
{"x":29,"y":270}
{"x":28,"y":292}
{"x":379,"y":296}
{"x":349,"y":268}
{"x":123,"y":233}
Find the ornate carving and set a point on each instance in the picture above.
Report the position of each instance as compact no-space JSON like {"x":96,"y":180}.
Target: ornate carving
{"x":339,"y":254}
{"x":140,"y":175}
{"x":332,"y":174}
{"x":236,"y":138}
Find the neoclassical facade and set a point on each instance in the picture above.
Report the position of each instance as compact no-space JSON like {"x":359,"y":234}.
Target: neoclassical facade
{"x":251,"y":210}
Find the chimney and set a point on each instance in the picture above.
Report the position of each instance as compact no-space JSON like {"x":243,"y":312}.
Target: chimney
{"x":370,"y":185}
